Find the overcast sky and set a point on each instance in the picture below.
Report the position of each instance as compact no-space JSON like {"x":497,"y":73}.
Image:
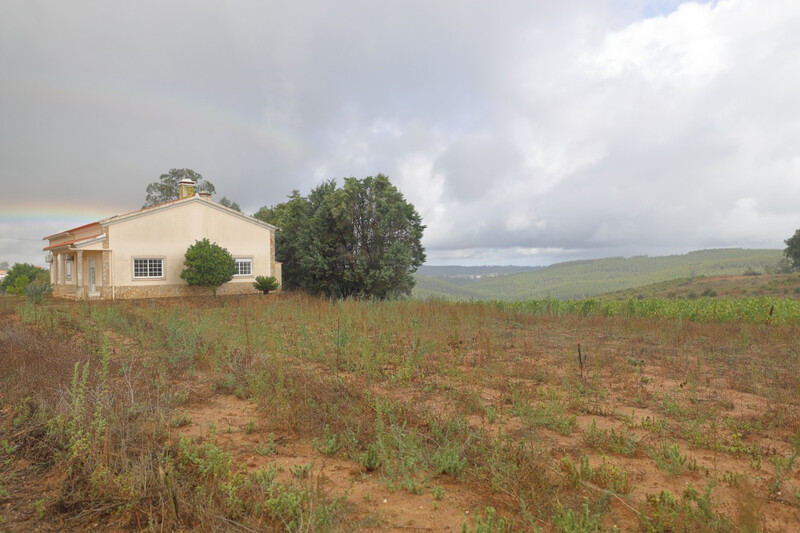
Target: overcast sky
{"x":524,"y":132}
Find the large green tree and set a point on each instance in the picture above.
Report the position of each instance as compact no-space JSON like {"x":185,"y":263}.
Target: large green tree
{"x":792,"y":251}
{"x":166,"y":188}
{"x":363,"y":239}
{"x":208,"y":265}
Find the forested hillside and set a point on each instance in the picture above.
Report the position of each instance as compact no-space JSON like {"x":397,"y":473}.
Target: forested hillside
{"x":586,"y":278}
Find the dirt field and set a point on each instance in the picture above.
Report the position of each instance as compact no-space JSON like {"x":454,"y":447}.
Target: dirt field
{"x":289,"y":413}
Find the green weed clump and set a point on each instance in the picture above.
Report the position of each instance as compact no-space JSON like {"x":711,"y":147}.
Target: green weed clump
{"x":586,"y":520}
{"x":610,"y":440}
{"x":692,"y":512}
{"x":669,"y":457}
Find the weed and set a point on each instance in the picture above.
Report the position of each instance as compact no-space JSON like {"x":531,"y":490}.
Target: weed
{"x":301,"y":471}
{"x":329,"y":444}
{"x":622,"y":442}
{"x":263,"y":477}
{"x":733,"y":479}
{"x":583,"y":521}
{"x":487,"y":522}
{"x":668,"y":457}
{"x":491,"y":413}
{"x":299,"y":508}
{"x":210,"y":460}
{"x":693,"y":512}
{"x":39,"y":508}
{"x":411,"y":485}
{"x":549,"y":414}
{"x":449,"y":460}
{"x":180,"y":419}
{"x":605,"y":475}
{"x":371,"y":458}
{"x":267,"y":446}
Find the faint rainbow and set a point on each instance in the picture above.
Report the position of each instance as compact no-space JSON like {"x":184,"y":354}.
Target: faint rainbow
{"x":183,"y":106}
{"x":36,"y":221}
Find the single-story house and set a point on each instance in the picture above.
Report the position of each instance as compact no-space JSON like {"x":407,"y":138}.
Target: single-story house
{"x":140,"y":254}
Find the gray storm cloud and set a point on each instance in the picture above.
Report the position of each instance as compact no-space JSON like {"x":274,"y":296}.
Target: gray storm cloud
{"x":524,"y":132}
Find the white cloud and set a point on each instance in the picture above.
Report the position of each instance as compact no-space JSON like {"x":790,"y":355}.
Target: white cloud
{"x":686,"y":49}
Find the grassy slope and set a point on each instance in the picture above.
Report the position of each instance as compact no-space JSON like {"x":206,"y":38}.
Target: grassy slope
{"x":769,"y":285}
{"x":583,"y":279}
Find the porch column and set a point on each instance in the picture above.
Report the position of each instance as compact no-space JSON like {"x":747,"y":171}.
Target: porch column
{"x":79,"y":274}
{"x":54,"y":269}
{"x":62,"y":268}
{"x":105,"y":272}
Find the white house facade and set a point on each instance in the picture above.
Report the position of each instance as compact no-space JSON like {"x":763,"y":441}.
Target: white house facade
{"x":140,"y":254}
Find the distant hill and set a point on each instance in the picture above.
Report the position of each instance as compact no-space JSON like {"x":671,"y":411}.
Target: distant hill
{"x":587,"y":278}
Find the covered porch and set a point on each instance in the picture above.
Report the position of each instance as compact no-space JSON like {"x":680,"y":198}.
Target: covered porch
{"x":81,"y":270}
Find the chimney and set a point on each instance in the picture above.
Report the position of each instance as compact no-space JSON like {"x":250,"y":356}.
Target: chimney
{"x":185,"y":188}
{"x":205,"y":194}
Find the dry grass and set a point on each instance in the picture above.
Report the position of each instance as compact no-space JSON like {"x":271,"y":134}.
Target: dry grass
{"x":667,"y":426}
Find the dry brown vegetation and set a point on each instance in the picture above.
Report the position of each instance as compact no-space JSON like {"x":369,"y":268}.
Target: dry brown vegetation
{"x":287,"y":413}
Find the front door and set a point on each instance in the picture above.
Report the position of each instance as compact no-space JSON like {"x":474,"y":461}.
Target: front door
{"x":92,"y":276}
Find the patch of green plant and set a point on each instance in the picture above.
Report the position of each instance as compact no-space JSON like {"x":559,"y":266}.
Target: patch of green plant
{"x":210,"y":461}
{"x":647,"y":423}
{"x":610,"y":440}
{"x":263,"y":477}
{"x":605,"y":475}
{"x":371,"y":458}
{"x":296,"y":508}
{"x":549,"y":414}
{"x":733,"y":479}
{"x":329,"y":444}
{"x":180,"y":419}
{"x":6,"y":452}
{"x":669,"y":458}
{"x":411,"y":485}
{"x":584,"y":521}
{"x":301,"y":471}
{"x":267,"y":446}
{"x":397,"y":448}
{"x":783,"y":466}
{"x":449,"y":460}
{"x":487,"y":521}
{"x":266,"y":284}
{"x":693,"y":512}
{"x":491,"y":413}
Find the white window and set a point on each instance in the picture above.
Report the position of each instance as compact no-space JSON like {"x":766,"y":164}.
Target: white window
{"x":244,"y":267}
{"x":148,"y":268}
{"x":68,"y":270}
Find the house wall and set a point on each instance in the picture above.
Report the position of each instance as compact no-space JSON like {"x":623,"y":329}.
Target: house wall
{"x":167,"y":233}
